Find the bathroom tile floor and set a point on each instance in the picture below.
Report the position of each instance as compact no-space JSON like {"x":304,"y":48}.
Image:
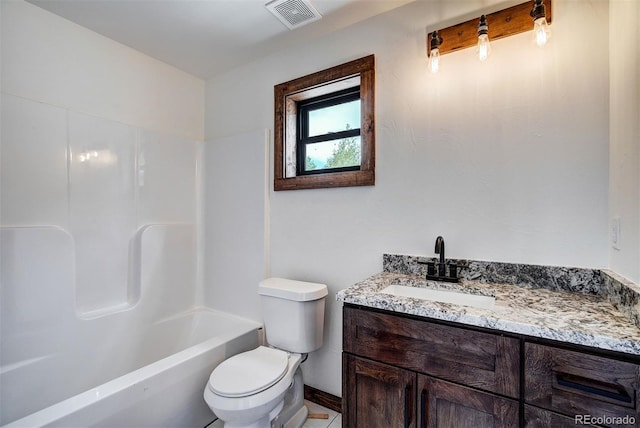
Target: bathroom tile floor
{"x":334,"y":421}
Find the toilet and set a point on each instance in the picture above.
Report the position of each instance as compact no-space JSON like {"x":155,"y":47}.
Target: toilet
{"x":263,"y":388}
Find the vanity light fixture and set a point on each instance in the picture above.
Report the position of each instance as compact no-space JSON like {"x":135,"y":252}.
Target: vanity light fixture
{"x":504,"y":23}
{"x":541,"y":31}
{"x":484,"y":47}
{"x":434,"y":52}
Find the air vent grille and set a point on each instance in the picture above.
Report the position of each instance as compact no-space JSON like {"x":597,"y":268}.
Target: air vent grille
{"x":293,"y":13}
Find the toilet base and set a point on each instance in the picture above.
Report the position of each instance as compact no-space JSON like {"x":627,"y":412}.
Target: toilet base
{"x":294,"y":413}
{"x":298,"y":419}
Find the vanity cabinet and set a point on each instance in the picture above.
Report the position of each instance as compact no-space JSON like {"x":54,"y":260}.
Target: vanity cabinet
{"x":402,"y":372}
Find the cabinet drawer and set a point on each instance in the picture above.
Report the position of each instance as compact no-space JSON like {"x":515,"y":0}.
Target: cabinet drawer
{"x":574,"y":383}
{"x":539,"y":418}
{"x":480,"y":360}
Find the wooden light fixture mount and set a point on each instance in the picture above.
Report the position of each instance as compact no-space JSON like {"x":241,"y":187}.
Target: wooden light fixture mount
{"x":506,"y":22}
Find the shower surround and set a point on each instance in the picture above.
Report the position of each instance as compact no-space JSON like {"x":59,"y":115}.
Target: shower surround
{"x":98,"y":240}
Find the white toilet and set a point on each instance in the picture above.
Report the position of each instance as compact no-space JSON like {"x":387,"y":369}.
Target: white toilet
{"x":263,"y":388}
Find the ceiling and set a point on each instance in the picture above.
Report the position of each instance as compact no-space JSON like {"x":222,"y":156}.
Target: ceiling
{"x":208,"y":37}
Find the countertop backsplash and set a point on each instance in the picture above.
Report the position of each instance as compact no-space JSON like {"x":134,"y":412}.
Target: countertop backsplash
{"x":622,"y":293}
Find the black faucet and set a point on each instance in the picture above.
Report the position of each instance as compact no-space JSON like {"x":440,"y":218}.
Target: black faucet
{"x":442,"y":266}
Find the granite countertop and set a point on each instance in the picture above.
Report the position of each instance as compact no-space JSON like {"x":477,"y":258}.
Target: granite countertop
{"x":575,"y":314}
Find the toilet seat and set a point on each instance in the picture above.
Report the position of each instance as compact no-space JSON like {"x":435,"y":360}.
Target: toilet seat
{"x":249,"y":373}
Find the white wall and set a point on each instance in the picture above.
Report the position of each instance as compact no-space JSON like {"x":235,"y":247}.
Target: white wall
{"x":508,"y":160}
{"x":48,"y":59}
{"x":624,"y":166}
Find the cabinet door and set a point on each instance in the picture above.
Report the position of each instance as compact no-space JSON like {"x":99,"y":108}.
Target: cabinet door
{"x":377,"y":395}
{"x":443,"y":404}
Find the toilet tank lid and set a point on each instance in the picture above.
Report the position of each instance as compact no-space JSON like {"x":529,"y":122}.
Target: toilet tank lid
{"x":290,"y":289}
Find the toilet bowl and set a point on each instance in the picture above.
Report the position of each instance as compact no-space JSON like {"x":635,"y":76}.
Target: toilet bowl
{"x":248,"y":390}
{"x":263,"y":388}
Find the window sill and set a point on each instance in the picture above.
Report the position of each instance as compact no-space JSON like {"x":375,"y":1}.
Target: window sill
{"x":328,"y":180}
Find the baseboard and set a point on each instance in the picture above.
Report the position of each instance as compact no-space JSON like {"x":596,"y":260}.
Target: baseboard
{"x":323,"y":398}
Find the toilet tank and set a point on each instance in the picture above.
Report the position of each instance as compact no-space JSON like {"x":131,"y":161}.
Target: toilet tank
{"x":293,"y":313}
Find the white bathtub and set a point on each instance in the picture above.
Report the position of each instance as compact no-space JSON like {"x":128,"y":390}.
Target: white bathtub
{"x":151,"y":376}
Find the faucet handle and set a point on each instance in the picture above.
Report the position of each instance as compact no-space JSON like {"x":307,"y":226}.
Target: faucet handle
{"x":431,"y":268}
{"x":453,"y":270}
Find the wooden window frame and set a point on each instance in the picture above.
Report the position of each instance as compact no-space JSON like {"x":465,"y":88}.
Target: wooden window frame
{"x":325,"y":81}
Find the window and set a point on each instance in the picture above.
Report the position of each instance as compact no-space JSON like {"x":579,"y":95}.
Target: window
{"x":328,"y":134}
{"x":324,"y":128}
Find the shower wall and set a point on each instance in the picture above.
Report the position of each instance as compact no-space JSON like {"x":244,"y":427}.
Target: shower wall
{"x":92,"y":190}
{"x":98,"y":186}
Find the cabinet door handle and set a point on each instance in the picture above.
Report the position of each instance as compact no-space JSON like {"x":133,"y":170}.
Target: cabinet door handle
{"x":578,"y":383}
{"x":407,"y":404}
{"x":423,"y":408}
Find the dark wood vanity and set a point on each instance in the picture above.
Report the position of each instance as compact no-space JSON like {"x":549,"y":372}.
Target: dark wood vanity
{"x":401,"y":370}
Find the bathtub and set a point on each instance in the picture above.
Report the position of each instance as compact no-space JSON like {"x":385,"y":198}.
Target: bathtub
{"x":151,"y":376}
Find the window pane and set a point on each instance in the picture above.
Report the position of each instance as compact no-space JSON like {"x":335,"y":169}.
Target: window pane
{"x":335,"y":118}
{"x":333,"y":154}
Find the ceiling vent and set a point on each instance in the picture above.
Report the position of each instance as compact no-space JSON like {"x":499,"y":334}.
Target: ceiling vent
{"x":293,"y":13}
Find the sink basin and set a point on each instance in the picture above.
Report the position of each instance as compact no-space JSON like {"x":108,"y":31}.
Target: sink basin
{"x":444,"y":296}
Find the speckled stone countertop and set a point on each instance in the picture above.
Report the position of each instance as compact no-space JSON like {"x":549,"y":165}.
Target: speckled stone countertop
{"x":580,"y":306}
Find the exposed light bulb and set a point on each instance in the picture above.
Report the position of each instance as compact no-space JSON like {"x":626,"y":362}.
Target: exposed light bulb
{"x":484,"y":47}
{"x":541,"y":32}
{"x":434,"y":60}
{"x":434,"y":52}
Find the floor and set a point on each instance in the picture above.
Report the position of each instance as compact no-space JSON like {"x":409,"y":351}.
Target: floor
{"x":334,"y":420}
